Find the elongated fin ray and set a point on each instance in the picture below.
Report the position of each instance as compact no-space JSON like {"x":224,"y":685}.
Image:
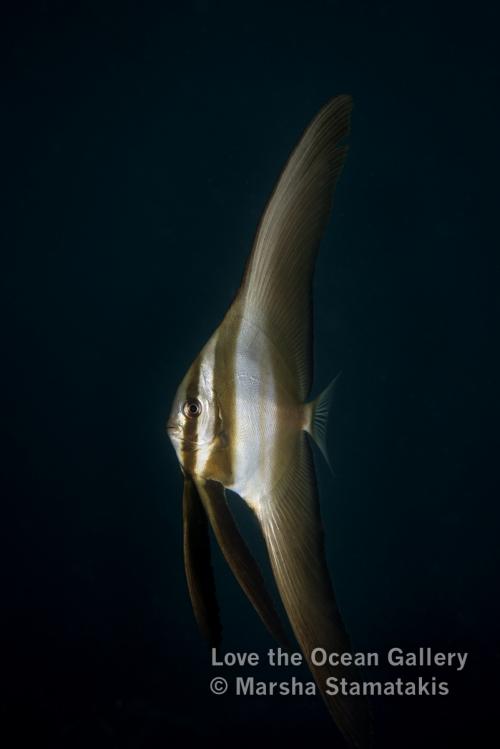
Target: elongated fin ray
{"x":237,"y":555}
{"x":291,"y":525}
{"x":197,"y":563}
{"x":276,"y":287}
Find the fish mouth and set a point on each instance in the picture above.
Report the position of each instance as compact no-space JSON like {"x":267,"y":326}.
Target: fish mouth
{"x":173,"y":429}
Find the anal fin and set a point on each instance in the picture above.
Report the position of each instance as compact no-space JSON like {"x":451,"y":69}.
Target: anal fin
{"x":291,"y":523}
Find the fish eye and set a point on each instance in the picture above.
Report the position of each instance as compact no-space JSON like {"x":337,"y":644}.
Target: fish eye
{"x":192,"y":408}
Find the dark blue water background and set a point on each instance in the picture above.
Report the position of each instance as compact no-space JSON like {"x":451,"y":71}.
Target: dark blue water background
{"x":140,"y":144}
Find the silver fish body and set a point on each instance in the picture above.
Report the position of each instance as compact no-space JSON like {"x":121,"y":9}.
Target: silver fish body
{"x":240,"y":417}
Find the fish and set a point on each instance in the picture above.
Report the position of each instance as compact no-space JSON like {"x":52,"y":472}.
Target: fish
{"x":241,"y":420}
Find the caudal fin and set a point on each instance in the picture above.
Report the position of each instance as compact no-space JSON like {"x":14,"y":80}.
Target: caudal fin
{"x":317,"y":412}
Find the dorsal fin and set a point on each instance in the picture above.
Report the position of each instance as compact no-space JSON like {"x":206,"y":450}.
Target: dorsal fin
{"x":276,"y":288}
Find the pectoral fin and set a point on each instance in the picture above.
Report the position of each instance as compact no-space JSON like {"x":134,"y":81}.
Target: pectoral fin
{"x":292,"y":528}
{"x":197,"y":562}
{"x":237,"y":555}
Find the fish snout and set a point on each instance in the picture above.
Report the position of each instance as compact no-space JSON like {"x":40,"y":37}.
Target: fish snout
{"x":173,"y":429}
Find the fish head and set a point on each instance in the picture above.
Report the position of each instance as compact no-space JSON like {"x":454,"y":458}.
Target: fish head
{"x":195,"y":425}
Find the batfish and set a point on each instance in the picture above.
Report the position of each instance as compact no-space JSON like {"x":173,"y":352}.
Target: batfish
{"x":242,"y":420}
